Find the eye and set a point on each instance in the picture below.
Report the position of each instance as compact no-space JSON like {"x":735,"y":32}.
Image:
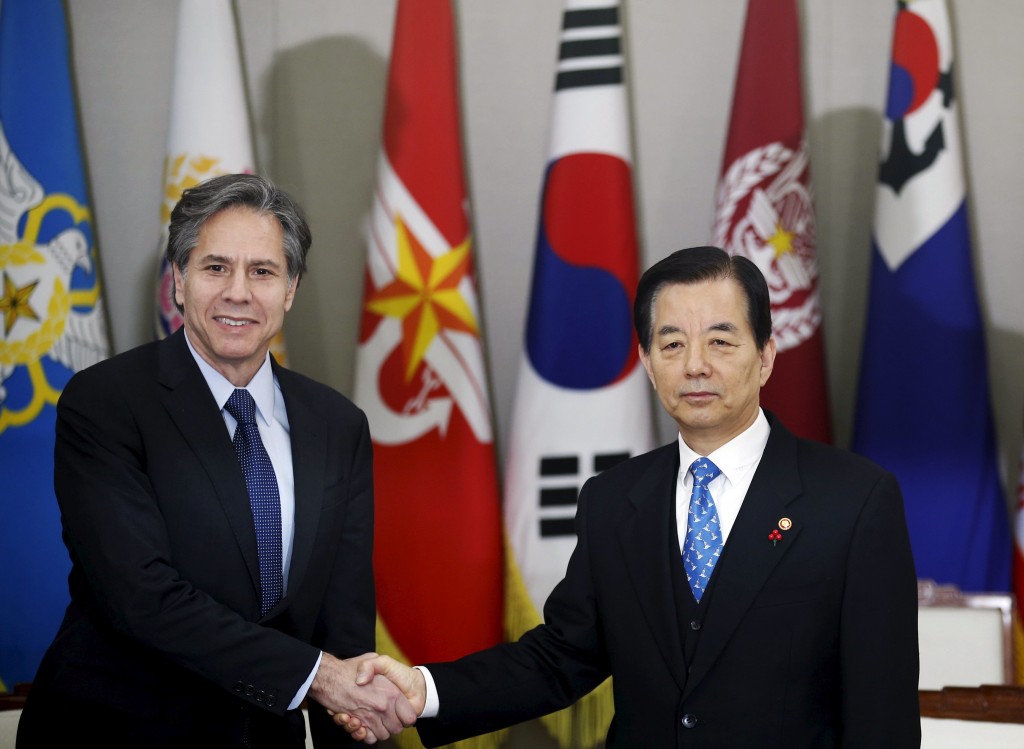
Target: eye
{"x":215,"y":268}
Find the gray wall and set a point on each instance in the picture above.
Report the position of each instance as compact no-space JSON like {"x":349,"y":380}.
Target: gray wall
{"x":316,"y":73}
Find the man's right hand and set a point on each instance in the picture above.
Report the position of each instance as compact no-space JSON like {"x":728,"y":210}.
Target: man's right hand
{"x":409,"y":681}
{"x":380,"y":707}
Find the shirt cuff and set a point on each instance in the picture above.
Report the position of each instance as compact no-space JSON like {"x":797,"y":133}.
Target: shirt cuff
{"x":433,"y":703}
{"x":301,"y":694}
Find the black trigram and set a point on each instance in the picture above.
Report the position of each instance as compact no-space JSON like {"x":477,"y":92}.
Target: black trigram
{"x":561,"y":481}
{"x":591,"y":49}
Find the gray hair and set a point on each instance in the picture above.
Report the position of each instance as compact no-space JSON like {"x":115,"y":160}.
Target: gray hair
{"x":200,"y":203}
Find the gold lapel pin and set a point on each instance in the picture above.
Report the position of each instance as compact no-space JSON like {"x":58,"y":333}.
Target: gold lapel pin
{"x":785,"y":524}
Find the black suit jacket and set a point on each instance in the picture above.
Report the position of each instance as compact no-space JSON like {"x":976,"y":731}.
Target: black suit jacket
{"x":163,"y":643}
{"x":807,"y":642}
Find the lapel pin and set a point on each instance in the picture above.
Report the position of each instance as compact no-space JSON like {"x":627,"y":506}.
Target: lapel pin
{"x":785,"y":524}
{"x":775,"y":536}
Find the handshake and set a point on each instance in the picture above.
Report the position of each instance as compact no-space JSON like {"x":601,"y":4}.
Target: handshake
{"x":372,"y":696}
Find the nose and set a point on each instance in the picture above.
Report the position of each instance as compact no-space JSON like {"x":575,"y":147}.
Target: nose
{"x":236,"y":288}
{"x":696,"y":362}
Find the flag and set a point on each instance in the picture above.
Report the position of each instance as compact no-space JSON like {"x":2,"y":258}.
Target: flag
{"x":209,"y":132}
{"x":923,"y":407}
{"x":1018,"y":576}
{"x":420,"y":373}
{"x":764,"y":210}
{"x":582,"y":401}
{"x":52,"y":320}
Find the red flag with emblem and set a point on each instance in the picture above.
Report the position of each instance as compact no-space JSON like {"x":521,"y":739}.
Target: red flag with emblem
{"x":420,"y":374}
{"x":764,"y":210}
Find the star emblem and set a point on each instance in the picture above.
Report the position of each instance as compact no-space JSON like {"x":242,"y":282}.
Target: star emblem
{"x":14,"y":303}
{"x":781,"y":241}
{"x":424,"y":295}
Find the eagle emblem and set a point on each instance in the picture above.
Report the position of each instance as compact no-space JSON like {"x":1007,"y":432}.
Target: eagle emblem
{"x":44,"y":314}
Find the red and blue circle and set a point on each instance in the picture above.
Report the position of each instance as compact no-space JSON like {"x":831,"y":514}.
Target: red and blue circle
{"x":579,"y":331}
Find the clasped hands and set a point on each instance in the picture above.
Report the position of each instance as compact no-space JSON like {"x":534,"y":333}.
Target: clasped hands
{"x":372,"y":696}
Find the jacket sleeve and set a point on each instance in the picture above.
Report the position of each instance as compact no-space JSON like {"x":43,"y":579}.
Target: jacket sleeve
{"x":878,"y":629}
{"x":547,"y":669}
{"x":346,"y":625}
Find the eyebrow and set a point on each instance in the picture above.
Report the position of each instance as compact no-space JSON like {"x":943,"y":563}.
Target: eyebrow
{"x":721,"y":327}
{"x":224,"y":260}
{"x":724,"y":327}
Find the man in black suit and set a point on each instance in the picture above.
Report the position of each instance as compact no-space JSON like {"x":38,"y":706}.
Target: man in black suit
{"x":798,"y":632}
{"x":207,"y":602}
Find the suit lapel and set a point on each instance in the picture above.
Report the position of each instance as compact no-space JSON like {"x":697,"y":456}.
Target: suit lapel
{"x":644,"y":546}
{"x":750,"y":557}
{"x":307,"y":428}
{"x":194,"y":411}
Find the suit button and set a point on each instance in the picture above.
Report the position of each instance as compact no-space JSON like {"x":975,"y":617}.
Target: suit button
{"x":271,"y":699}
{"x":695,"y":625}
{"x":260,"y":696}
{"x":689,"y":720}
{"x":250,"y":690}
{"x":239,"y":686}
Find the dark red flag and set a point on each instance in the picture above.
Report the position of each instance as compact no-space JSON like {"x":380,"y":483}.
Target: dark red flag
{"x":763,"y":210}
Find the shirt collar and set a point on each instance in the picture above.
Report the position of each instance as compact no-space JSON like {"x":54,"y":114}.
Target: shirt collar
{"x":736,"y":455}
{"x":261,"y":386}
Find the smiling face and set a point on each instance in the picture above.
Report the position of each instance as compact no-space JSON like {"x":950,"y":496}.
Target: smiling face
{"x":704,"y":362}
{"x":235,"y":291}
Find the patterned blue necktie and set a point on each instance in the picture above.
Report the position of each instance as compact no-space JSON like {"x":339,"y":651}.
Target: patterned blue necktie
{"x":703,"y":531}
{"x":261,"y":481}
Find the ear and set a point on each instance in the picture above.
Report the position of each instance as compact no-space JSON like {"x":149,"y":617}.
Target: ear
{"x":179,"y":286}
{"x":645,"y":359}
{"x":289,"y":295}
{"x":767,"y":360}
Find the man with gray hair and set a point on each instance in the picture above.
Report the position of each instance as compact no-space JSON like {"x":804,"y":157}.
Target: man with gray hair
{"x":218,"y":511}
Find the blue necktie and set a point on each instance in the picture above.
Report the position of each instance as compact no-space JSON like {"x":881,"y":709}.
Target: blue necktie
{"x":703,"y":531}
{"x":261,"y":481}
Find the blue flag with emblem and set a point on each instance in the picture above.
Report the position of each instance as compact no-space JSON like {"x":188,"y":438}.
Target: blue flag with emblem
{"x":51,"y":317}
{"x":923,"y":406}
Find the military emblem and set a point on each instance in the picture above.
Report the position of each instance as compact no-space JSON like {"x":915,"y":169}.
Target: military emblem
{"x":766,"y":215}
{"x":921,"y":161}
{"x":417,"y":327}
{"x":45,"y":315}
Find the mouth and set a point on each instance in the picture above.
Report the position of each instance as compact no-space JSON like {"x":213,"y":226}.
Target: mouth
{"x":233,"y":323}
{"x":698,"y":396}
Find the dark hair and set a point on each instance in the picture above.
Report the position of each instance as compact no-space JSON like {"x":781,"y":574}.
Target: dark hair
{"x":694,"y":265}
{"x":200,"y":203}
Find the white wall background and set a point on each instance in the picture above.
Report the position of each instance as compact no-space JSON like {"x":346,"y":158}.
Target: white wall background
{"x":316,"y":74}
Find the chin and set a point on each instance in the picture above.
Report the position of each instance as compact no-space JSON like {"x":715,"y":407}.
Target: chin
{"x":699,"y":420}
{"x":236,"y":352}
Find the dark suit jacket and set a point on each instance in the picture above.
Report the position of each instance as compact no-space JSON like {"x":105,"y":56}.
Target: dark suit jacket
{"x":163,"y":643}
{"x":808,"y":642}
